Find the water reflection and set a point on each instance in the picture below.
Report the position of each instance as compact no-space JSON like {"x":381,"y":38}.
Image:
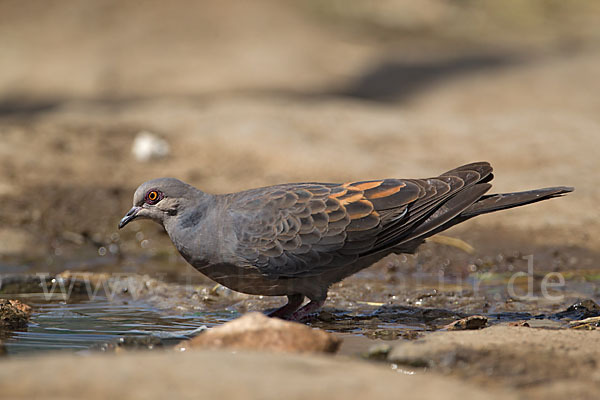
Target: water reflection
{"x":81,"y":325}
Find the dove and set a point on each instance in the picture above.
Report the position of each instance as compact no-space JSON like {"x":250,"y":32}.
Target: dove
{"x":298,"y":239}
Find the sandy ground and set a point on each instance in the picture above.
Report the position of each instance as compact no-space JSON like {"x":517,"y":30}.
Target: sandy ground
{"x":221,"y":375}
{"x":516,"y":357}
{"x":249,"y":96}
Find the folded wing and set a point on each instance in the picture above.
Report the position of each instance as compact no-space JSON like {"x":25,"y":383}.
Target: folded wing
{"x":299,"y":229}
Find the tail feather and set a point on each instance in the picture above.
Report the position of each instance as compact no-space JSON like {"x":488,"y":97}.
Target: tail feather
{"x":487,"y":204}
{"x":502,"y":201}
{"x":450,"y":210}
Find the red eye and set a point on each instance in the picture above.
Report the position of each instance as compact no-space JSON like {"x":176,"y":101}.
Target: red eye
{"x":153,"y":196}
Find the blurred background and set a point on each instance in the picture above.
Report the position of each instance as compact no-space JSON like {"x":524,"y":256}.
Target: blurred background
{"x":229,"y":95}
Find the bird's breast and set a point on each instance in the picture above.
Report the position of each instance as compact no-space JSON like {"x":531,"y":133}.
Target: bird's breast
{"x":198,"y":238}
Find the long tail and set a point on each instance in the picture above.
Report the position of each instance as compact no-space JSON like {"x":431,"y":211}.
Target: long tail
{"x":502,"y":201}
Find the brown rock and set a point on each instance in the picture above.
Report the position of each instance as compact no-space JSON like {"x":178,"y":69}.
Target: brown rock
{"x":13,"y":314}
{"x":522,"y":323}
{"x":255,"y":331}
{"x":470,"y":322}
{"x":540,"y":363}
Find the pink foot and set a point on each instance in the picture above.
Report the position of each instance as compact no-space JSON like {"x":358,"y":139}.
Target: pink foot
{"x":294,"y":302}
{"x":308,"y":309}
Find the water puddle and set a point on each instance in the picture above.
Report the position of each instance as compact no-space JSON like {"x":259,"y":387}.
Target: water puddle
{"x":82,"y":325}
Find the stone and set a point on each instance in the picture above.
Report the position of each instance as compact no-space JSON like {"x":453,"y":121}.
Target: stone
{"x":511,"y":357}
{"x":148,"y":146}
{"x":255,"y":331}
{"x":13,"y":314}
{"x":467,"y":323}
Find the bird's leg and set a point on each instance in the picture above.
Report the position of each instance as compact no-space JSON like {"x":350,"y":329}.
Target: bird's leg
{"x":314,"y":305}
{"x":294,"y":302}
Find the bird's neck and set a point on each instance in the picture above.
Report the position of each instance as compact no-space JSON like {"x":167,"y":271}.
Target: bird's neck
{"x":192,"y":230}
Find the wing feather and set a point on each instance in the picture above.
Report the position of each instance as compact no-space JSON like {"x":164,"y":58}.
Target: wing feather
{"x":300,"y":229}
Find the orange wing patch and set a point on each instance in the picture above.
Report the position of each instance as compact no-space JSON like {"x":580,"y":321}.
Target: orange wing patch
{"x":377,"y":194}
{"x":351,"y":197}
{"x":366,"y":185}
{"x":338,"y":194}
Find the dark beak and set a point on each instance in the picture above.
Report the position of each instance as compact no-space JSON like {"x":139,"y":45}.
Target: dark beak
{"x":130,"y":216}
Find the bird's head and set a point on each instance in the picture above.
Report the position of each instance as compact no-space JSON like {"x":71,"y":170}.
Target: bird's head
{"x":158,"y":200}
